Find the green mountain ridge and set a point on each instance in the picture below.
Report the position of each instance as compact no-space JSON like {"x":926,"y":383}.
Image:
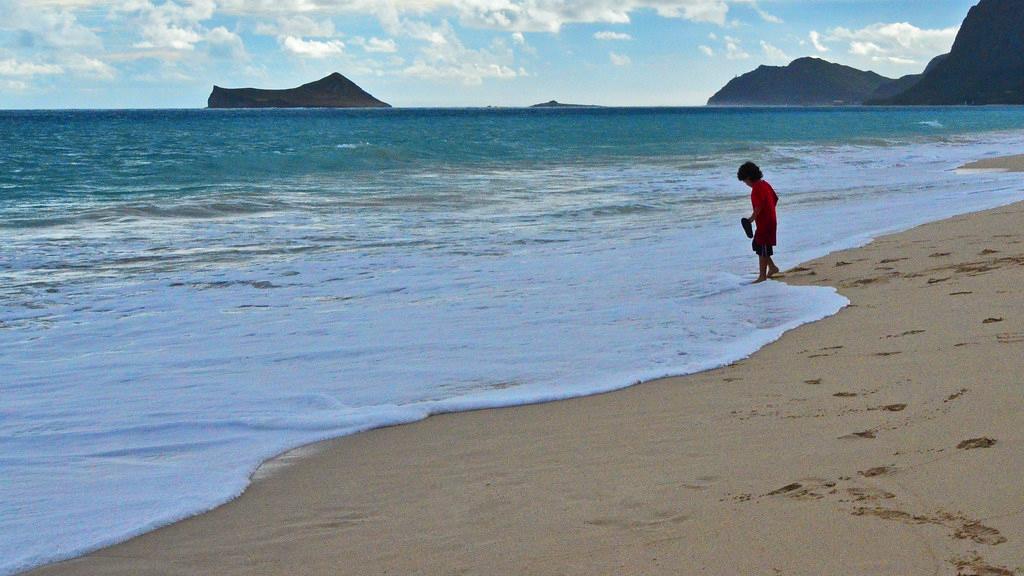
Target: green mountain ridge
{"x":803,"y":82}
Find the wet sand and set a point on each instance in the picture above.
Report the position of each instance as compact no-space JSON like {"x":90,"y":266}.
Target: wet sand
{"x":887,"y":439}
{"x":1002,"y":164}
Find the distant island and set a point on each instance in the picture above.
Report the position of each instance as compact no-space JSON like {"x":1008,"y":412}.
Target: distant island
{"x":333,"y":91}
{"x":557,"y":104}
{"x":985,"y":66}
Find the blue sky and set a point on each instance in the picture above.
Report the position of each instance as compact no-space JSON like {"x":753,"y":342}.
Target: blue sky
{"x":156,"y":54}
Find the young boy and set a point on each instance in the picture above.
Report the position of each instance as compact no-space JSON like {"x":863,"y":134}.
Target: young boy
{"x":764,"y":199}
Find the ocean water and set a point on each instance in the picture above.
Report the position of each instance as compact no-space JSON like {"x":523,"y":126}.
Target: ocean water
{"x":184,"y":294}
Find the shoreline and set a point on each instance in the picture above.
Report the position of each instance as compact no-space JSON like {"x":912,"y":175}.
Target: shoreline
{"x":999,"y":164}
{"x":1013,"y":163}
{"x":299,"y":468}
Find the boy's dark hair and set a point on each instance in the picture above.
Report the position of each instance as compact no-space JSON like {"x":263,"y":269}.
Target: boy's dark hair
{"x":749,"y":171}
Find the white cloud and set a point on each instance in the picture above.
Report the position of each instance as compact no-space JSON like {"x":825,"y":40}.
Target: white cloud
{"x":87,"y":67}
{"x":470,"y":73}
{"x":42,"y":26}
{"x":299,"y":26}
{"x":609,"y":35}
{"x":311,"y":48}
{"x":619,"y":59}
{"x":12,"y":67}
{"x":225,"y":44}
{"x":865,"y":48}
{"x":519,"y":40}
{"x":898,"y":42}
{"x":510,"y":15}
{"x":169,"y":25}
{"x":14,"y":85}
{"x":707,"y":50}
{"x":773,"y":53}
{"x":374,"y":44}
{"x":816,"y":41}
{"x":444,"y":57}
{"x":273,"y":7}
{"x":734,"y":49}
{"x":771,"y":18}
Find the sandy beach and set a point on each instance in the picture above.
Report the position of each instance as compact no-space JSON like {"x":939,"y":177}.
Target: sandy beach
{"x":1003,"y":163}
{"x":886,"y":439}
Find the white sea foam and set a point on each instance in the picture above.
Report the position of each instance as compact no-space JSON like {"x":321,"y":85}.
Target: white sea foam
{"x":149,"y":392}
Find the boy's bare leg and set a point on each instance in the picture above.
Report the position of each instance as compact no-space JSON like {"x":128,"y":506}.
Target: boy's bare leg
{"x":762,"y":262}
{"x":772,"y":268}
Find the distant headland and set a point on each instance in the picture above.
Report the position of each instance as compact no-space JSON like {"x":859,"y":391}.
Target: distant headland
{"x":985,"y":66}
{"x":334,"y":91}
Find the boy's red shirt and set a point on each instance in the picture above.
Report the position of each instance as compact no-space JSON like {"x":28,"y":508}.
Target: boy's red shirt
{"x":764,"y":199}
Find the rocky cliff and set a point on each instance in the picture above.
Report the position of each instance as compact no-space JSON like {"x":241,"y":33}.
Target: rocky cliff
{"x":985,"y":65}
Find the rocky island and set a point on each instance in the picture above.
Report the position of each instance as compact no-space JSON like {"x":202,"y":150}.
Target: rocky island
{"x":557,"y":104}
{"x":334,"y":91}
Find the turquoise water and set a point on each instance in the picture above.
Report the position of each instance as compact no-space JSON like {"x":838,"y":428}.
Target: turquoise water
{"x":184,"y":294}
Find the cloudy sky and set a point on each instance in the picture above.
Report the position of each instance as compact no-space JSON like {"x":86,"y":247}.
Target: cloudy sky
{"x":168,"y":53}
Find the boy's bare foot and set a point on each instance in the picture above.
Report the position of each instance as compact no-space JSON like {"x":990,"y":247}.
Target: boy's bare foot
{"x":773,"y":271}
{"x":759,"y":280}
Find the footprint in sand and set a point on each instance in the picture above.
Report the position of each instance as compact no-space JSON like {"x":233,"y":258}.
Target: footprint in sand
{"x":988,"y":251}
{"x":894,"y":407}
{"x":808,"y":489}
{"x":937,"y":280}
{"x":864,"y":434}
{"x":991,"y":320}
{"x":867,"y":494}
{"x":785,"y":489}
{"x":983,"y":442}
{"x":845,"y":394}
{"x":964,"y":529}
{"x":876,"y":471}
{"x":955,"y":395}
{"x":938,"y":254}
{"x":978,"y":567}
{"x":813,"y":382}
{"x":979,"y":533}
{"x":888,"y":353}
{"x":907,"y":333}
